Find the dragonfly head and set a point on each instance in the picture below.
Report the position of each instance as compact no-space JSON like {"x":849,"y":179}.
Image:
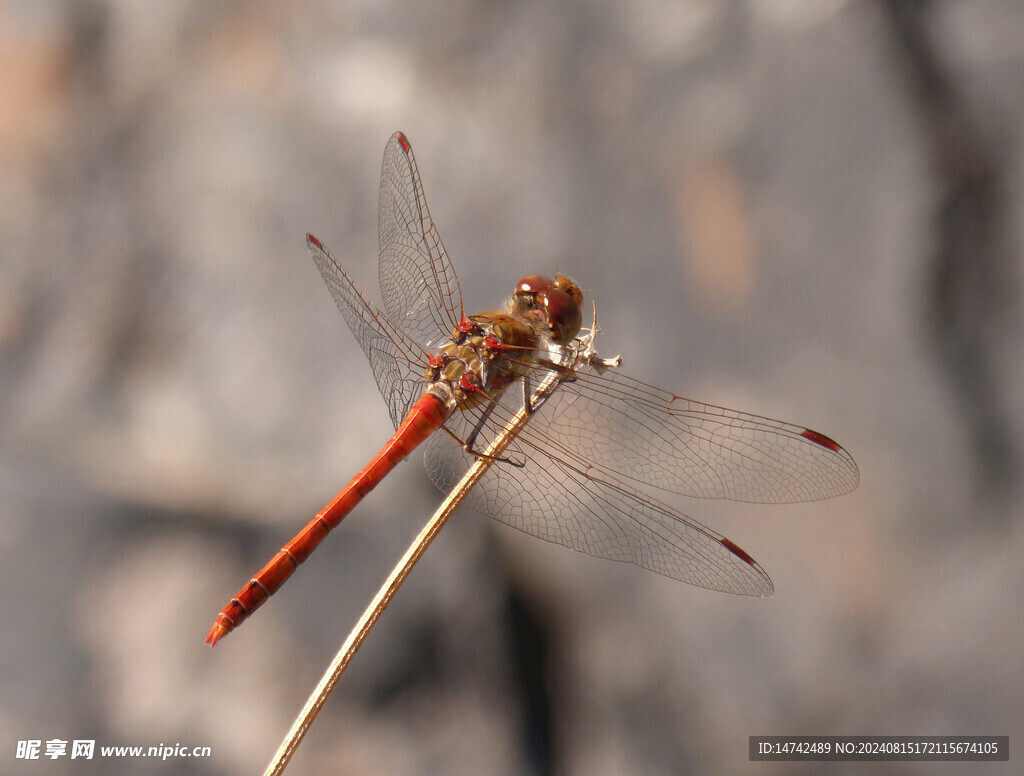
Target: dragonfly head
{"x":557,"y":302}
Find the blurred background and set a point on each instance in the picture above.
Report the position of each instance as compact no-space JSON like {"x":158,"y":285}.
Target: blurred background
{"x":808,"y":210}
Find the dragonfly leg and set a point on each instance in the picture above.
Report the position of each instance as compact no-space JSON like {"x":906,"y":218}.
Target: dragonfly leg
{"x":471,"y":439}
{"x":532,"y":403}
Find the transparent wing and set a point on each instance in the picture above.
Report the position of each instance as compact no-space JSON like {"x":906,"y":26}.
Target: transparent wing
{"x":568,"y":474}
{"x":397,"y":360}
{"x":547,"y":496}
{"x":417,"y":280}
{"x":614,"y":425}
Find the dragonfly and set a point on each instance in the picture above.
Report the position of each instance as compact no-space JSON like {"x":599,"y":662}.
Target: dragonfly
{"x":580,"y":471}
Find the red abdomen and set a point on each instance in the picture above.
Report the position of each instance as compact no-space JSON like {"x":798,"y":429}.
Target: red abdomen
{"x":426,"y":416}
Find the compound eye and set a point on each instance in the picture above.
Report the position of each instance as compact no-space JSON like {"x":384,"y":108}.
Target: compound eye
{"x":564,"y":314}
{"x":533,"y":284}
{"x":562,"y":283}
{"x":524,"y":299}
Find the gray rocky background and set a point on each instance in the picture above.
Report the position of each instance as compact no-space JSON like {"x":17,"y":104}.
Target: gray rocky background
{"x":809,"y":209}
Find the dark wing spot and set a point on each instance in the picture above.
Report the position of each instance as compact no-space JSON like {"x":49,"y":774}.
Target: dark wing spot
{"x":821,"y":439}
{"x":737,"y":551}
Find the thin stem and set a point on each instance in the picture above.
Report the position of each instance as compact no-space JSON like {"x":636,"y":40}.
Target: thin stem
{"x":397,"y":576}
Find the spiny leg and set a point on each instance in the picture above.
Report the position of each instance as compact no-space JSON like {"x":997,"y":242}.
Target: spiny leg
{"x":471,"y":439}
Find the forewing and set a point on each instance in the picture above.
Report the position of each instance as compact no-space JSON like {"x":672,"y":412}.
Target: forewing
{"x":612,"y":425}
{"x":417,"y":280}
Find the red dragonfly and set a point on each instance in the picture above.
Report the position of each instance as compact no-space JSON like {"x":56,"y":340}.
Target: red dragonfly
{"x":575,"y":473}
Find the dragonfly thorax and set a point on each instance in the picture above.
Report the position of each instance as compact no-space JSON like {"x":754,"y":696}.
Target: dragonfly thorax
{"x":485,"y":354}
